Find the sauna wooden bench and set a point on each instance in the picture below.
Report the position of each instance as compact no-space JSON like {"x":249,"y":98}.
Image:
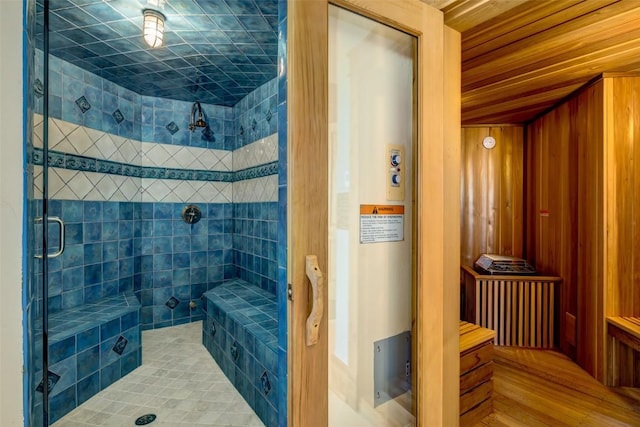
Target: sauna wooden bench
{"x":476,"y":373}
{"x":622,"y":330}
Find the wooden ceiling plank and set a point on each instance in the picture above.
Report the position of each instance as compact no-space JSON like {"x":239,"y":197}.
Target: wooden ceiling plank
{"x":465,"y":14}
{"x":480,"y":100}
{"x":541,"y":80}
{"x":594,"y":42}
{"x":519,"y":117}
{"x":531,"y":18}
{"x":439,"y":4}
{"x":542,"y":96}
{"x":537,"y":49}
{"x":596,"y":22}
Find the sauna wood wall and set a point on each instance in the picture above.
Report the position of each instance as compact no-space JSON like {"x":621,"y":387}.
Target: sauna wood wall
{"x":583,"y":212}
{"x":552,"y":204}
{"x":491,"y":192}
{"x":622,"y":114}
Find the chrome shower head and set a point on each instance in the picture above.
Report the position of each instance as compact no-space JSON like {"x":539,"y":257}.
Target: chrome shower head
{"x":198,"y":122}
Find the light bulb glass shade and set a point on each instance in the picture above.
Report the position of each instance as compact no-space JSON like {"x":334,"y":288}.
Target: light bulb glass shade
{"x":153,"y":27}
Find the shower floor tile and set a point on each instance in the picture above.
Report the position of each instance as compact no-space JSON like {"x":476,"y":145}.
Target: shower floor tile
{"x":178,"y":381}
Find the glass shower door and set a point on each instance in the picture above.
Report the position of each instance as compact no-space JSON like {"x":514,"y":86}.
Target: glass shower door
{"x":371,"y":205}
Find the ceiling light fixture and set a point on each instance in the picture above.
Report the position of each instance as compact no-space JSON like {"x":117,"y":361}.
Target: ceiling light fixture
{"x":153,"y":27}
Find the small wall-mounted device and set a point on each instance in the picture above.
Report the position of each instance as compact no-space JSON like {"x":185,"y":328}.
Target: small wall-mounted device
{"x":191,"y":214}
{"x":396,"y":167}
{"x":489,"y":142}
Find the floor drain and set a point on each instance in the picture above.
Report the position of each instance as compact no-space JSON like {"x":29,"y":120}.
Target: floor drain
{"x":145,"y":419}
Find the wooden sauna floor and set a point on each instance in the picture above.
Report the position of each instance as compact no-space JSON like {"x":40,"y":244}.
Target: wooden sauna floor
{"x":546,"y":388}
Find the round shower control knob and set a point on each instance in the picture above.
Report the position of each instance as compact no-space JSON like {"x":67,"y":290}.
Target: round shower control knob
{"x":395,"y":179}
{"x":395,"y":159}
{"x":191,"y":214}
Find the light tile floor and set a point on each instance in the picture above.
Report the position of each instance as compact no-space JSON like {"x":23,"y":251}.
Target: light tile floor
{"x":178,"y":381}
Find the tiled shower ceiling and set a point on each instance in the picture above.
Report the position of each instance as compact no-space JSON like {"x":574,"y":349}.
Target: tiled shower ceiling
{"x":215,"y":51}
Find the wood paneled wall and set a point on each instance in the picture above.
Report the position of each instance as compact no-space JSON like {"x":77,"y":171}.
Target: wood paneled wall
{"x":551,"y":207}
{"x":491,"y":192}
{"x":564,"y":216}
{"x":583,"y":211}
{"x":622,"y":114}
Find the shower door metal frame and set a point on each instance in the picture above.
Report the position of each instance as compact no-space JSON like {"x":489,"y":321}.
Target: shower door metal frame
{"x":437,"y":218}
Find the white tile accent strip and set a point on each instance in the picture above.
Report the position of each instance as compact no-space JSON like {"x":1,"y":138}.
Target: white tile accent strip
{"x":257,"y":153}
{"x":75,"y":139}
{"x":180,"y":157}
{"x":263,"y":189}
{"x":67,"y":184}
{"x":169,"y":190}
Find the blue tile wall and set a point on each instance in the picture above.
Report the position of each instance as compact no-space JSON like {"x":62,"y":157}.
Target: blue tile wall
{"x":255,"y":237}
{"x":281,"y":290}
{"x":111,"y":108}
{"x":68,"y":83}
{"x":257,"y":114}
{"x":100,"y":257}
{"x":181,"y":261}
{"x":157,"y":113}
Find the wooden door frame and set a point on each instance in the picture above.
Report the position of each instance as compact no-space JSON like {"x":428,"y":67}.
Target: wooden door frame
{"x":438,"y":205}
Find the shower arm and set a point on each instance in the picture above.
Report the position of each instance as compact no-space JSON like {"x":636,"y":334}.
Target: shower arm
{"x":200,"y":121}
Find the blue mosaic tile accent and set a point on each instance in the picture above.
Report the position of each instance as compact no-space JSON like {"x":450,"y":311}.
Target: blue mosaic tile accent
{"x":38,"y":88}
{"x":172,"y":128}
{"x":172,"y":303}
{"x":53,"y":379}
{"x":120,"y":345}
{"x":117,"y":116}
{"x":234,"y":351}
{"x":266,"y":384}
{"x":83,"y":104}
{"x":207,"y":135}
{"x":256,"y":172}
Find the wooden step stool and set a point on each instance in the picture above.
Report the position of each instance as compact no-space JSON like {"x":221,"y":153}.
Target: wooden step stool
{"x":476,"y":373}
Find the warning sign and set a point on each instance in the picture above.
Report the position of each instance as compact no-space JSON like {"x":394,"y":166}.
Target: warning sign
{"x":381,"y":223}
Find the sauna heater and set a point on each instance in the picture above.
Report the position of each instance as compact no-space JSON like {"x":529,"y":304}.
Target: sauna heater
{"x":505,"y":294}
{"x":503,"y":264}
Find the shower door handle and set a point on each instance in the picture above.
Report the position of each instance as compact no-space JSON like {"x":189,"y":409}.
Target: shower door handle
{"x":316,"y":279}
{"x":61,"y":247}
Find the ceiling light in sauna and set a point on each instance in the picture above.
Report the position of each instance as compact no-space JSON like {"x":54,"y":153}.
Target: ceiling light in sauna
{"x":153,"y":27}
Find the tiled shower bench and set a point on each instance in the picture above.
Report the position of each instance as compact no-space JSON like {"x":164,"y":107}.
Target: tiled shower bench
{"x":241,"y":333}
{"x":90,"y":347}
